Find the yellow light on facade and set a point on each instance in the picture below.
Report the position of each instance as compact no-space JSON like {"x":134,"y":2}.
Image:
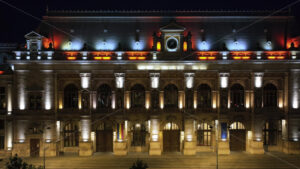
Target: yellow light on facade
{"x":224,"y":80}
{"x":161,"y":100}
{"x":158,"y":46}
{"x":189,"y":137}
{"x":249,"y":135}
{"x":85,"y":130}
{"x":185,"y":46}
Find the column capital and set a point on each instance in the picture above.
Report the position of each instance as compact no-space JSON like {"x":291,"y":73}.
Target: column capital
{"x":258,"y":74}
{"x":224,"y":74}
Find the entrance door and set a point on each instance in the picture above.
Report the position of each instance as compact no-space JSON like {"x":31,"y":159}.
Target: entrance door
{"x":171,"y":140}
{"x":171,"y":137}
{"x":237,"y":140}
{"x":34,"y":147}
{"x":237,"y":137}
{"x":104,"y":141}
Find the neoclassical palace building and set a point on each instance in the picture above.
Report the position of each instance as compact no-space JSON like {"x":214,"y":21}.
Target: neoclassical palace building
{"x":152,"y":81}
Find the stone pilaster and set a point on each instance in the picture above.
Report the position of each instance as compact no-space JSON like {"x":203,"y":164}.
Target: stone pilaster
{"x":155,"y":140}
{"x":189,"y":138}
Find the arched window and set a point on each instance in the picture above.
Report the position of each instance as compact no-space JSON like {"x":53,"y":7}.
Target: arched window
{"x":237,"y":96}
{"x":237,"y":126}
{"x":2,"y":98}
{"x":171,"y":96}
{"x":104,"y":94}
{"x":270,"y":95}
{"x":71,"y":96}
{"x":171,"y":126}
{"x":204,"y":96}
{"x":71,"y":135}
{"x":137,"y":96}
{"x":204,"y":135}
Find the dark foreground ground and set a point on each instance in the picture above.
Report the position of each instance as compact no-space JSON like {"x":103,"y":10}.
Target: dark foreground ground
{"x":172,"y":161}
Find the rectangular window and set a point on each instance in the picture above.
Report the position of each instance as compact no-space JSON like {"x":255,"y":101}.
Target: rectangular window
{"x":35,"y":101}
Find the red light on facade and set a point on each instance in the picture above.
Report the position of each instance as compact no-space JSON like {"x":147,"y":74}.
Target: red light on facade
{"x":241,"y":55}
{"x":184,"y":46}
{"x":276,"y":55}
{"x":207,"y":55}
{"x":158,"y":46}
{"x":1,"y":72}
{"x":137,"y":55}
{"x":71,"y":55}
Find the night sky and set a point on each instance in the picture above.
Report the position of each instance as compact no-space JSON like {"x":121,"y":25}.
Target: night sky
{"x":15,"y":24}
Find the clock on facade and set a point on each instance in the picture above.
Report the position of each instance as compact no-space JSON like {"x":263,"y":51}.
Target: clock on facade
{"x":172,"y":44}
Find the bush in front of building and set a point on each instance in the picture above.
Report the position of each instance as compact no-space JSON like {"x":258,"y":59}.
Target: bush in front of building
{"x":16,"y":162}
{"x":139,"y":164}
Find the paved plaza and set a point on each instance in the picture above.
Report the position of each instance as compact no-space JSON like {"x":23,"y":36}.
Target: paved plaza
{"x":173,"y":161}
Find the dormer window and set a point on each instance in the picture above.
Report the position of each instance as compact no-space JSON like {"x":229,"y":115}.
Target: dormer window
{"x":34,"y":41}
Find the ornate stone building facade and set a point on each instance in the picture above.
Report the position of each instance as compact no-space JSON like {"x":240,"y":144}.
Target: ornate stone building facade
{"x":155,"y":82}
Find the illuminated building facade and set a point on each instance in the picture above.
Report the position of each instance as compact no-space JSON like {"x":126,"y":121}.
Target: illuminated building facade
{"x":153,"y":81}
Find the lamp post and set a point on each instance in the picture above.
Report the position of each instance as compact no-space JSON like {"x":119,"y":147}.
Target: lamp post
{"x":217,"y":142}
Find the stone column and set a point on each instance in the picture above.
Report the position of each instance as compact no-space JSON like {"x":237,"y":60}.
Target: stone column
{"x":85,"y":144}
{"x":161,"y":99}
{"x":180,"y":99}
{"x":21,"y":144}
{"x":9,"y":99}
{"x":224,"y":96}
{"x":48,"y":88}
{"x":127,"y":100}
{"x":94,"y":99}
{"x":147,"y":100}
{"x":189,"y":137}
{"x":222,"y":144}
{"x":21,"y":90}
{"x":9,"y":135}
{"x":155,"y":140}
{"x":254,"y":143}
{"x":291,"y":143}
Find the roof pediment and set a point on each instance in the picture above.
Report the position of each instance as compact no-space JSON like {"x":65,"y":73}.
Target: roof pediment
{"x":33,"y":35}
{"x":172,"y":27}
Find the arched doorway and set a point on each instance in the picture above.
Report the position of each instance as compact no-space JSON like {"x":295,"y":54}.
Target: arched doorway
{"x":237,"y":137}
{"x":71,"y":134}
{"x":171,"y":137}
{"x":104,"y":138}
{"x":139,"y":133}
{"x":204,"y":134}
